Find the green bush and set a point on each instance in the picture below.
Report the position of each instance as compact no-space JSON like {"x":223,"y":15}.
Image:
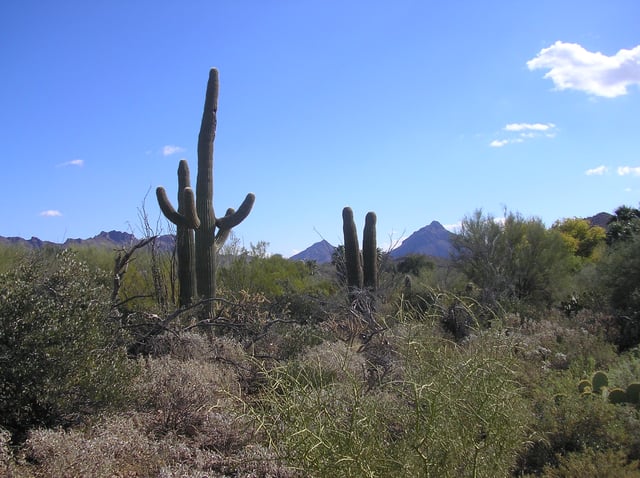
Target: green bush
{"x":449,"y":411}
{"x":61,"y":356}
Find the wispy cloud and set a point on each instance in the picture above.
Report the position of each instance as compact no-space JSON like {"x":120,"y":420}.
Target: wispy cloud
{"x":597,"y":171}
{"x":51,"y":213}
{"x":529,"y":127}
{"x":499,"y":143}
{"x":573,"y":67}
{"x":73,"y":162}
{"x":170,"y":149}
{"x":519,"y":132}
{"x":628,"y":170}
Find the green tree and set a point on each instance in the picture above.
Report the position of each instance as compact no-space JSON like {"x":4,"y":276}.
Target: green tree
{"x":516,"y":259}
{"x":623,"y":225}
{"x":61,"y":357}
{"x":619,"y":275}
{"x":415,"y":264}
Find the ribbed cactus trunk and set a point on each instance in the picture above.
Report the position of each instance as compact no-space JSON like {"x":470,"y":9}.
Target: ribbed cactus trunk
{"x":185,"y":220}
{"x":361,"y":267}
{"x":205,"y":234}
{"x":370,"y":253}
{"x":351,"y":251}
{"x":185,"y":239}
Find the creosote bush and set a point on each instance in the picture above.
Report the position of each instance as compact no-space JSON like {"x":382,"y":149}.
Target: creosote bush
{"x":61,"y":356}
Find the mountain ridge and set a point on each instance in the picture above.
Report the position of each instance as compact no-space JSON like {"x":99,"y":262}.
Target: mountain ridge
{"x":431,"y":240}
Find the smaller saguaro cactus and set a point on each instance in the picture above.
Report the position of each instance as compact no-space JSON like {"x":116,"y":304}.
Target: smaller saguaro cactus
{"x":352,"y":257}
{"x":185,"y":220}
{"x":362,"y":267}
{"x":370,"y":252}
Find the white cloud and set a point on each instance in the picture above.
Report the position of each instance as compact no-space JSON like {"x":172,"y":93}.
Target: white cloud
{"x":524,"y":131}
{"x":529,"y":127}
{"x":573,"y":67}
{"x":598,"y":171}
{"x":51,"y":213}
{"x":170,"y":149}
{"x":73,"y":162}
{"x":498,"y":143}
{"x":628,"y":170}
{"x":455,"y":228}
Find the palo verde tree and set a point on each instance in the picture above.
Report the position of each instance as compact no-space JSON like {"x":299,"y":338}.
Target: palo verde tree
{"x":515,"y":260}
{"x":583,"y":240}
{"x":210,"y":231}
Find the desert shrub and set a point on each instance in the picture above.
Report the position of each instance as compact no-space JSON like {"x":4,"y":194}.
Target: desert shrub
{"x":120,"y":446}
{"x":61,"y":357}
{"x":626,"y":369}
{"x":6,"y":457}
{"x":450,"y":412}
{"x":116,"y":446}
{"x":569,"y":423}
{"x":603,"y":464}
{"x":559,"y":343}
{"x":185,"y":395}
{"x":180,"y":346}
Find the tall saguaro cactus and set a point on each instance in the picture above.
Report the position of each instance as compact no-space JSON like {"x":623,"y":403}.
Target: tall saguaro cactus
{"x":362,"y":269}
{"x":206,"y":234}
{"x":211,"y":231}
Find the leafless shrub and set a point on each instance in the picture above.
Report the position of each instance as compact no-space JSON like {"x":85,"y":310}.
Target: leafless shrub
{"x":182,"y":393}
{"x":6,"y":458}
{"x":180,"y":346}
{"x":115,"y":447}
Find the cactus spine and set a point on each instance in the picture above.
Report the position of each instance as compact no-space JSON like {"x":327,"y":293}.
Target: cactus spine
{"x":362,"y":267}
{"x":207,"y":240}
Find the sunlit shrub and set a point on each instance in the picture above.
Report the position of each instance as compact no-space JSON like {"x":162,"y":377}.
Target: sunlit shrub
{"x":451,"y":413}
{"x":61,"y":357}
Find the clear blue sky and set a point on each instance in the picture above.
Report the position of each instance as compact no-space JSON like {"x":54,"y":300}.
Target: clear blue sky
{"x":418,"y":110}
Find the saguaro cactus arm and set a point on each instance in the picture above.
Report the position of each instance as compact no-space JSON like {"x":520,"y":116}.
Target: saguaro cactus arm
{"x":232,"y":217}
{"x":186,"y":214}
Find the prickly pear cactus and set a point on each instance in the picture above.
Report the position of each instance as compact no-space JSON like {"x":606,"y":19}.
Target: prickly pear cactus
{"x":633,"y":393}
{"x":599,"y":381}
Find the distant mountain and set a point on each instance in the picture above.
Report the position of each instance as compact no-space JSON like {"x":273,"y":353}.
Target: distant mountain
{"x":601,"y":219}
{"x":320,"y":252}
{"x":111,"y":239}
{"x":432,"y":240}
